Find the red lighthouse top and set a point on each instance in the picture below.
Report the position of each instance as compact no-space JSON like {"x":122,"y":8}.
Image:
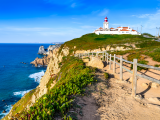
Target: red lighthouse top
{"x":106,"y":19}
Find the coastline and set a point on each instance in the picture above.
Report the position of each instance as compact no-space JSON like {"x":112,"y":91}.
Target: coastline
{"x":21,"y":72}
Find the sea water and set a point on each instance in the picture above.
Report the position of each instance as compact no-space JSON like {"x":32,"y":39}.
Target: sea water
{"x":17,"y":78}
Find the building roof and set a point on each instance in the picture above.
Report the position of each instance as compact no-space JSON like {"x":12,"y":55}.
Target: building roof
{"x":124,"y":30}
{"x":100,"y":28}
{"x":125,"y":27}
{"x":111,"y":28}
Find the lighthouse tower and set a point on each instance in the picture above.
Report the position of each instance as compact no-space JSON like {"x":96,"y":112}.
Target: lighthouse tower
{"x":106,"y":24}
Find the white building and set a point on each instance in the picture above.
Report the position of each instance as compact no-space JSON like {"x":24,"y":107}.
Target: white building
{"x":118,"y":30}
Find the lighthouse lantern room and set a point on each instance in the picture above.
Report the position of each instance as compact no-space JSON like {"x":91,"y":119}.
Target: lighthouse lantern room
{"x":106,"y":24}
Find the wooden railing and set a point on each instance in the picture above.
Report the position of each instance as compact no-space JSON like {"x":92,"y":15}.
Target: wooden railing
{"x":108,"y":58}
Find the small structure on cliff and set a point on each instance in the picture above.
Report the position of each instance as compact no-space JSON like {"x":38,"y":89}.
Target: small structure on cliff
{"x":118,"y":30}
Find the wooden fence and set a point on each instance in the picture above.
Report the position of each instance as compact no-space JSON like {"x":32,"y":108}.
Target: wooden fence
{"x":109,"y":58}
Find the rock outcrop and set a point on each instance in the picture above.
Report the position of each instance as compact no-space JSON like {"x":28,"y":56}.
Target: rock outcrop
{"x":95,"y":62}
{"x":42,"y":50}
{"x":41,"y":61}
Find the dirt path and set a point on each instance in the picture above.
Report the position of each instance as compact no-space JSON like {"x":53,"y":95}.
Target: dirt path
{"x":111,"y":100}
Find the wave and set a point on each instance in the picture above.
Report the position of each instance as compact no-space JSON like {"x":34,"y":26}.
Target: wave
{"x":21,"y":93}
{"x":37,"y":76}
{"x":7,"y":109}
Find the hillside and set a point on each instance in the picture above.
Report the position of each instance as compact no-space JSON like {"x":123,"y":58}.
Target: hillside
{"x":67,"y":76}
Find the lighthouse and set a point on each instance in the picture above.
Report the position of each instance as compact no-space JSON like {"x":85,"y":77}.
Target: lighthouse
{"x":106,"y":24}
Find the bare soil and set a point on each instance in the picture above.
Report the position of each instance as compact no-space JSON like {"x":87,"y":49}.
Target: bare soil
{"x":111,"y":100}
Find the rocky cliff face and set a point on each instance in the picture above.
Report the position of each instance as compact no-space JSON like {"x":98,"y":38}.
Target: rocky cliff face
{"x":53,"y":68}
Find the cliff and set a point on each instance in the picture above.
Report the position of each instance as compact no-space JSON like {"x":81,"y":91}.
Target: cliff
{"x":70,"y":73}
{"x":30,"y":98}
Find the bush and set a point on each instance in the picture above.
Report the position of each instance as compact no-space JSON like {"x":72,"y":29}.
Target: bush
{"x":106,"y":75}
{"x":74,"y":77}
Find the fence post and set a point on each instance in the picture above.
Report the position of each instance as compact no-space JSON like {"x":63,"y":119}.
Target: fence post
{"x":92,"y":54}
{"x":110,"y":62}
{"x":121,"y":69}
{"x":97,"y":54}
{"x":103,"y":56}
{"x":134,"y":78}
{"x":88,"y":54}
{"x":114,"y":64}
{"x":107,"y":58}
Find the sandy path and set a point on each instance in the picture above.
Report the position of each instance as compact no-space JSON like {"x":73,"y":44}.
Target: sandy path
{"x":111,"y":100}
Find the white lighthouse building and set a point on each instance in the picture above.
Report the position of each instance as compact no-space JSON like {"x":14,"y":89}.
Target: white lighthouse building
{"x":106,"y":24}
{"x":118,"y":30}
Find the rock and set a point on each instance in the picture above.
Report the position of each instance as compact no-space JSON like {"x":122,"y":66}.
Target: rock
{"x":4,"y":111}
{"x":96,"y":62}
{"x":52,"y":47}
{"x":41,"y":50}
{"x":154,"y":85}
{"x":36,"y":65}
{"x":145,"y":85}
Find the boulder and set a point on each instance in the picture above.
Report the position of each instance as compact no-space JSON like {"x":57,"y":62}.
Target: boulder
{"x":96,"y":62}
{"x":4,"y":111}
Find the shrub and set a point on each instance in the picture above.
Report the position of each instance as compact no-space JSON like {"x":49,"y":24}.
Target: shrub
{"x":106,"y":75}
{"x":58,"y":100}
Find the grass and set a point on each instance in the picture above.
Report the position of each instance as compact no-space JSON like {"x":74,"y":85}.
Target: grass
{"x":147,"y":46}
{"x":74,"y":77}
{"x":92,"y":41}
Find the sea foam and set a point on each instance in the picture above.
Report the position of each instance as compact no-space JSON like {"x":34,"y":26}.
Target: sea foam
{"x":7,"y":109}
{"x":21,"y":93}
{"x":37,"y":76}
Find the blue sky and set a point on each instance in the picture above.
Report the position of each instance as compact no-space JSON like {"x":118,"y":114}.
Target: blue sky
{"x":48,"y":21}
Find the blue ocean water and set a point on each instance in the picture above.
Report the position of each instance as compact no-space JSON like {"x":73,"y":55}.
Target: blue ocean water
{"x":17,"y":78}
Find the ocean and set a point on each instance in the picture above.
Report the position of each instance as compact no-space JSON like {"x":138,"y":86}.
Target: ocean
{"x":17,"y":78}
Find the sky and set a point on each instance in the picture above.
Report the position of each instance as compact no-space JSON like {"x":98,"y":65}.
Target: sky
{"x":49,"y":21}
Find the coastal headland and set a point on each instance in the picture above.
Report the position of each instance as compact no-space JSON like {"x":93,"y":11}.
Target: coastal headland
{"x":74,"y":88}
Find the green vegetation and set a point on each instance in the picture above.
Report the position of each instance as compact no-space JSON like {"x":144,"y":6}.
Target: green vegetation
{"x":93,"y":41}
{"x":106,"y":75}
{"x":149,"y":35}
{"x":156,"y":65}
{"x":74,"y":76}
{"x":147,"y":46}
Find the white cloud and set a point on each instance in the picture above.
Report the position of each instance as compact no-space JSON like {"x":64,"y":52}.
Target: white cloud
{"x":149,"y":24}
{"x":143,"y":15}
{"x":104,"y":12}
